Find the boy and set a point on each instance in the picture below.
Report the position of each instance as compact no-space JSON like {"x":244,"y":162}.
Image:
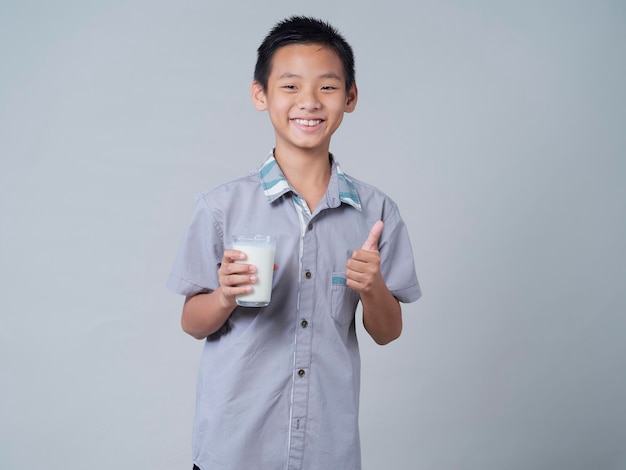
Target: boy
{"x":278,"y":386}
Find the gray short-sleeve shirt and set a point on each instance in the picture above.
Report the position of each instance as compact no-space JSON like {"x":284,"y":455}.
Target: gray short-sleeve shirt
{"x":278,"y":386}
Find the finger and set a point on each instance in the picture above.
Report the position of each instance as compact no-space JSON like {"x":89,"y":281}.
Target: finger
{"x":237,"y":267}
{"x":233,"y":255}
{"x":371,"y":244}
{"x":358,"y":281}
{"x":362,"y":260}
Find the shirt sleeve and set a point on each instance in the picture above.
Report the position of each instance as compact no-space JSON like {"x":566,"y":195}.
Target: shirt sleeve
{"x":200,"y":252}
{"x":397,"y":262}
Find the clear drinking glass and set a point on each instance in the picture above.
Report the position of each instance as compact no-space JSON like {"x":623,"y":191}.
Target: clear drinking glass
{"x":260,"y":250}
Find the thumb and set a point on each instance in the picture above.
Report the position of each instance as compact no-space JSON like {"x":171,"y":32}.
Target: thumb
{"x":371,"y":244}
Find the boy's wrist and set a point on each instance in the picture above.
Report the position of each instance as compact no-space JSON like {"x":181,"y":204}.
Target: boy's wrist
{"x":227,"y":303}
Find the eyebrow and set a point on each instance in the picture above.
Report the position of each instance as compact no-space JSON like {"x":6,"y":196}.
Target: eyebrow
{"x":324,"y":75}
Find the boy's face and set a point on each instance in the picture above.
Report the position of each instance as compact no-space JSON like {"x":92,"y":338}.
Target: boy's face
{"x":306,"y":97}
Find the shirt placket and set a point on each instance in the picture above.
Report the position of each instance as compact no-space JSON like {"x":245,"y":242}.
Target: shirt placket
{"x":303,"y":346}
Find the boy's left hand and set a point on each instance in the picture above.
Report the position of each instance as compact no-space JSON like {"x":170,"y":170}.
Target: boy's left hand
{"x":363,"y":269}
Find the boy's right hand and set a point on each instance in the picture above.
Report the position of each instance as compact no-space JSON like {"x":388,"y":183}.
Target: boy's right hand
{"x":235,"y":278}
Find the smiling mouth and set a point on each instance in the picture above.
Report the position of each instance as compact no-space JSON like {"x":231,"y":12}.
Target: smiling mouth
{"x":308,"y":122}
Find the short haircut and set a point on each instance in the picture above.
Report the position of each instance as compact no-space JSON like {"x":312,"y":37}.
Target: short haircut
{"x":302,"y":30}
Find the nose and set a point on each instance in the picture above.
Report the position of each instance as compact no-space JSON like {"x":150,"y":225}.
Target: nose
{"x":307,"y":99}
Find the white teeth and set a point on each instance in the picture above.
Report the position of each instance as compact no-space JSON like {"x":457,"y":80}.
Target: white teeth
{"x":306,"y":122}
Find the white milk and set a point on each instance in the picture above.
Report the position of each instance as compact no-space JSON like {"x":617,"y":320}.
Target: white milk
{"x":260,"y":252}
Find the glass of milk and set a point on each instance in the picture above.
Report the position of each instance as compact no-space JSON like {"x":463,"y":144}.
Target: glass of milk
{"x":259,"y":250}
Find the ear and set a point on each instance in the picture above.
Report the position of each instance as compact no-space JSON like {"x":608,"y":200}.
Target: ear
{"x":258,"y":96}
{"x":351,"y":98}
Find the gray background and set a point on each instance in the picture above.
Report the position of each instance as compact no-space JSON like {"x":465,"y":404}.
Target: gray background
{"x":498,"y":127}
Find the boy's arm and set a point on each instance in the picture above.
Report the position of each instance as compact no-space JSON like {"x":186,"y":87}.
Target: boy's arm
{"x":204,"y":314}
{"x":382,"y":315}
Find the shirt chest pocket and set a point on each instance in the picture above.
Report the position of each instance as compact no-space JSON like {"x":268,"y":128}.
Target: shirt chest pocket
{"x":343,"y":300}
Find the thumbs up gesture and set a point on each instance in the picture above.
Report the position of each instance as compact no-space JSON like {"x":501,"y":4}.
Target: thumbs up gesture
{"x":363,"y":268}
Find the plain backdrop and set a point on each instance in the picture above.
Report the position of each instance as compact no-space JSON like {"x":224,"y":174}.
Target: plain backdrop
{"x":497,"y":126}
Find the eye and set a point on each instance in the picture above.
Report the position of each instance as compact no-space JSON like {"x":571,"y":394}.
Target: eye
{"x":329,"y":88}
{"x":289,"y":87}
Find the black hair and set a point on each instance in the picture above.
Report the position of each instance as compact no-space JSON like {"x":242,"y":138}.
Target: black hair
{"x":302,"y":30}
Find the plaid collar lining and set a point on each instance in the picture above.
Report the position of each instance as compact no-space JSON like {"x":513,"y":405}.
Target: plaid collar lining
{"x":276,"y":185}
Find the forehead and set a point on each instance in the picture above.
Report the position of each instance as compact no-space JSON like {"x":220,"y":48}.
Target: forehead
{"x":307,"y":59}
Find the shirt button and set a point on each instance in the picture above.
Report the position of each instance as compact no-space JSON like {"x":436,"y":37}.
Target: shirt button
{"x":308,"y":275}
{"x":301,"y":372}
{"x":310,"y":226}
{"x":304,"y":323}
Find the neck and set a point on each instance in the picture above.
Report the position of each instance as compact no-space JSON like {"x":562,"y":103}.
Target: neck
{"x":307,"y":174}
{"x":304,"y":167}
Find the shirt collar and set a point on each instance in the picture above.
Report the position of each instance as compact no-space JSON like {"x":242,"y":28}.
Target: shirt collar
{"x":275,"y":184}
